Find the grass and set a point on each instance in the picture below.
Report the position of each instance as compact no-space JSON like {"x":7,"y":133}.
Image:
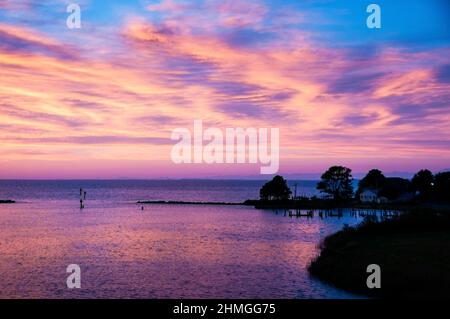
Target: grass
{"x":413,"y":252}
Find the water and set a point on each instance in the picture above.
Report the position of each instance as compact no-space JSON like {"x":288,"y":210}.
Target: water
{"x":133,"y":190}
{"x":165,"y":251}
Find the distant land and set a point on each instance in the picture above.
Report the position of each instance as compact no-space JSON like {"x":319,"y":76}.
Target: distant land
{"x":300,"y":176}
{"x":289,"y":176}
{"x":257,"y":177}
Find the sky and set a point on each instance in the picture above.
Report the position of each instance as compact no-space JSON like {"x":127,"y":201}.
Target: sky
{"x":101,"y":101}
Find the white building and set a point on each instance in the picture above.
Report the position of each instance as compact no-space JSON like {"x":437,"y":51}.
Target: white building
{"x":382,"y":200}
{"x":368,"y":196}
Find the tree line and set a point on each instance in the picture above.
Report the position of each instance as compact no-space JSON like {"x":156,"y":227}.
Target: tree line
{"x":337,"y":184}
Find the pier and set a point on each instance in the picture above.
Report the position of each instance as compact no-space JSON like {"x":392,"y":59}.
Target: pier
{"x":339,"y":213}
{"x":298,"y":213}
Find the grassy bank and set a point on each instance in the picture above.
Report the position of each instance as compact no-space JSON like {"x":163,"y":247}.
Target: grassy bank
{"x":413,"y":252}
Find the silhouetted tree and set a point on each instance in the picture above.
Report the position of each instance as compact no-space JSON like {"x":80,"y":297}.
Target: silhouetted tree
{"x":442,"y":186}
{"x":373,"y":180}
{"x":275,"y":189}
{"x":395,"y":187}
{"x":423,"y":183}
{"x":337,"y":181}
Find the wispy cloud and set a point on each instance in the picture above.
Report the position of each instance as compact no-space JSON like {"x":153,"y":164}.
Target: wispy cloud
{"x":114,"y":91}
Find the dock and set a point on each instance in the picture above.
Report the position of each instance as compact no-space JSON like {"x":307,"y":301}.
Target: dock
{"x":298,"y":213}
{"x":339,"y":213}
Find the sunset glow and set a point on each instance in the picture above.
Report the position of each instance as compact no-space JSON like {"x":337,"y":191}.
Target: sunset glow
{"x":101,"y":101}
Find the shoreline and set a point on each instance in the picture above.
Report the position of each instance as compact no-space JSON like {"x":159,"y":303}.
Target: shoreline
{"x":413,"y":252}
{"x":317,"y":204}
{"x":308,"y":204}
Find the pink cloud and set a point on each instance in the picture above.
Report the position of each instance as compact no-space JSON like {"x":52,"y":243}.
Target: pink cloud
{"x":121,"y":101}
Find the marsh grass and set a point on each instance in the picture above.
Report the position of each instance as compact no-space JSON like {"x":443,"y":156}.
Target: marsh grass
{"x":412,"y":250}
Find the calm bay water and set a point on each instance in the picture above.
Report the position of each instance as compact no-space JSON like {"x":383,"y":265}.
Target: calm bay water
{"x":164,"y":251}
